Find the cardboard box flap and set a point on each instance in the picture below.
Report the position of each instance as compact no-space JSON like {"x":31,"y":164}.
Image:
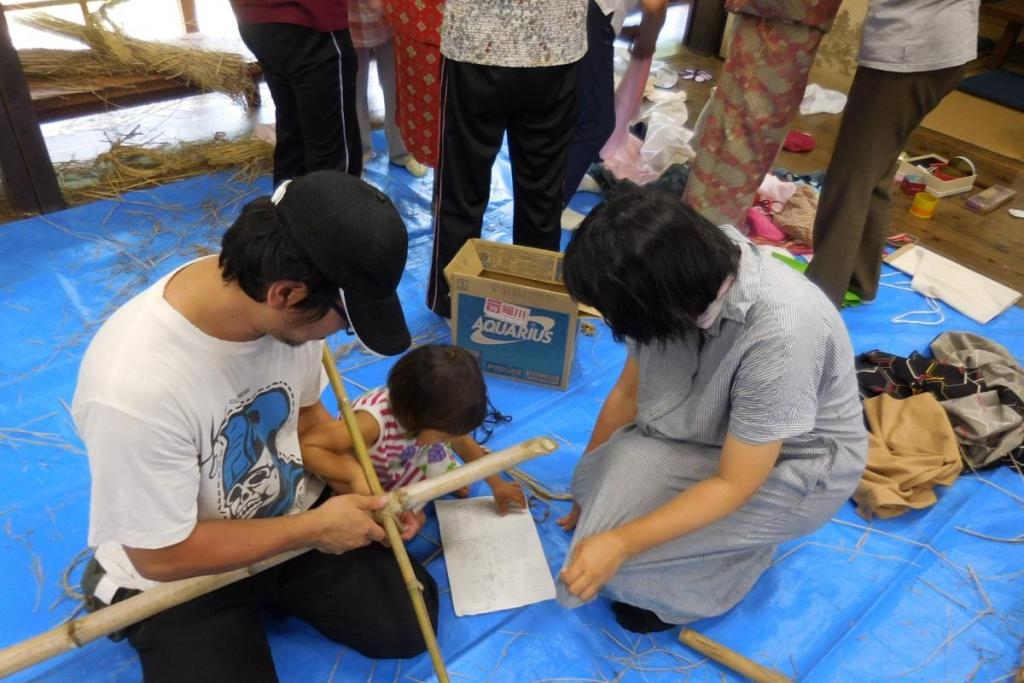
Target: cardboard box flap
{"x":465,"y":262}
{"x":523,"y":262}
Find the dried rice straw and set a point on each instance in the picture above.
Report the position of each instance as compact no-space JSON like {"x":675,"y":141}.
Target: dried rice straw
{"x":113,"y":52}
{"x":125,"y":167}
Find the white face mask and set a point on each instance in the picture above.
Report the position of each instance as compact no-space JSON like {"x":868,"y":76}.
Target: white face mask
{"x":710,"y":314}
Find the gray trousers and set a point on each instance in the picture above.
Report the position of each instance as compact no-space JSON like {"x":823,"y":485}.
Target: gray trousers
{"x":855,"y":206}
{"x":385,"y":56}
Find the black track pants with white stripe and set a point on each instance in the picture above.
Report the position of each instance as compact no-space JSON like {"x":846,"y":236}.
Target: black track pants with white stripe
{"x":536,"y":106}
{"x":312,"y":79}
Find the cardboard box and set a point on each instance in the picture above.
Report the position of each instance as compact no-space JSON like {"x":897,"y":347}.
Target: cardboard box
{"x":925,"y":166}
{"x":510,"y":309}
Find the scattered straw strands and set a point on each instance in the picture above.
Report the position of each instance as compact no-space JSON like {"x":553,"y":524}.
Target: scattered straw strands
{"x":127,"y":167}
{"x":113,"y":52}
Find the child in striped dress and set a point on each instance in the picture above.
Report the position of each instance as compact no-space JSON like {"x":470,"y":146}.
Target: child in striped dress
{"x":413,"y":427}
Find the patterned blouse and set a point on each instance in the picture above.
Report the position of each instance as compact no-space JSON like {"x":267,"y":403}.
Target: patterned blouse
{"x":515,"y":33}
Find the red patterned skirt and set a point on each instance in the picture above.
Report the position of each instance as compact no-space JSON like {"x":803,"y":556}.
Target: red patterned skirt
{"x":417,"y":25}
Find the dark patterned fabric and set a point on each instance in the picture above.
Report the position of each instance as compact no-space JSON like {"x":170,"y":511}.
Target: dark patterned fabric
{"x":879,"y":373}
{"x":981,"y":401}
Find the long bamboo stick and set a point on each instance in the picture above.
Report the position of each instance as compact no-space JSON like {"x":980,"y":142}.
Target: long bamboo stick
{"x":414,"y":496}
{"x":389,"y":521}
{"x":77,"y":633}
{"x":744,"y":666}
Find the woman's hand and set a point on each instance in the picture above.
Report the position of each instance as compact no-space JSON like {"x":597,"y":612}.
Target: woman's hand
{"x":568,"y":523}
{"x":594,"y":562}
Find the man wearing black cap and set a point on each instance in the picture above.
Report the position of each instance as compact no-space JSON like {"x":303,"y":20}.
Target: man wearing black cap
{"x":191,"y":400}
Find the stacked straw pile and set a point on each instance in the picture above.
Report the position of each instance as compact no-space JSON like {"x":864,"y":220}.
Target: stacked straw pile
{"x":112,"y":52}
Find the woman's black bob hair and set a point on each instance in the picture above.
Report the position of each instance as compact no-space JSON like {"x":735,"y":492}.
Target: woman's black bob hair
{"x":649,"y":263}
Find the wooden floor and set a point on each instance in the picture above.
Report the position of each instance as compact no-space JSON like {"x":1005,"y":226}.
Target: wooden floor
{"x":992,"y":244}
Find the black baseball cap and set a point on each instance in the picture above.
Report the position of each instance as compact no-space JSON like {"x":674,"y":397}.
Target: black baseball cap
{"x":353,"y":234}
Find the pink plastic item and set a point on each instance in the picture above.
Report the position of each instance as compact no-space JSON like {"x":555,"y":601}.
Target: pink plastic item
{"x":761,"y":225}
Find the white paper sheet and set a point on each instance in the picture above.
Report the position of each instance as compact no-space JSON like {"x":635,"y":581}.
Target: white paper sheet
{"x":494,"y":562}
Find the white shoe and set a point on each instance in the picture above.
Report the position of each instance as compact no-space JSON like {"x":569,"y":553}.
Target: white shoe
{"x":415,"y":168}
{"x":571,"y":219}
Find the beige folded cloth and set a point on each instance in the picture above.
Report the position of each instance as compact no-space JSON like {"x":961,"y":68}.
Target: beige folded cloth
{"x":911,"y":449}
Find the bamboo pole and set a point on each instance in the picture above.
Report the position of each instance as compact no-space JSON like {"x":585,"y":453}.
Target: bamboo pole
{"x":77,"y":633}
{"x":389,"y":521}
{"x":730,"y":658}
{"x":415,"y":496}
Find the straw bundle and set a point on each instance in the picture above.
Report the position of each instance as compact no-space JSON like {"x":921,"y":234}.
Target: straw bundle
{"x":114,"y":52}
{"x":67,"y":67}
{"x":128,"y":167}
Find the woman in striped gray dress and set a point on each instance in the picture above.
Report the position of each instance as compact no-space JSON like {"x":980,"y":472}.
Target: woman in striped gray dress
{"x":735,"y":424}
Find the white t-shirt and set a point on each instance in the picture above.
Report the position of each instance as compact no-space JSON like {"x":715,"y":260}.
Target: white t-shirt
{"x":182,"y":427}
{"x":909,"y":36}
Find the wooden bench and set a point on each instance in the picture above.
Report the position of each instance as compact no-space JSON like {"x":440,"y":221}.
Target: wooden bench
{"x":1012,"y":11}
{"x":52,"y":103}
{"x":29,"y":180}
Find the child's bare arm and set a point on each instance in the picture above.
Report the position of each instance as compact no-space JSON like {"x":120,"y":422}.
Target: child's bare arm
{"x":327,"y":451}
{"x":507,"y":494}
{"x":341,"y":471}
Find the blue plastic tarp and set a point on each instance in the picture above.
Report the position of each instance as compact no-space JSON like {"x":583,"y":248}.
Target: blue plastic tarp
{"x":914,"y":598}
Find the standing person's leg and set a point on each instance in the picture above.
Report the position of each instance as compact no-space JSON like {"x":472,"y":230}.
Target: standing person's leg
{"x":271,"y":45}
{"x":539,"y":132}
{"x":473,"y":121}
{"x":358,"y":599}
{"x":760,"y":88}
{"x":385,"y":53}
{"x":921,"y":93}
{"x":327,"y":102}
{"x":215,"y":637}
{"x":320,"y":71}
{"x":595,"y":97}
{"x":855,"y":210}
{"x":364,"y":55}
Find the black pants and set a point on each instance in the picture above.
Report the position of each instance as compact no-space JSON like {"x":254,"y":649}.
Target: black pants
{"x":595,"y":97}
{"x":855,"y":206}
{"x":357,"y":599}
{"x":537,"y":107}
{"x":312,"y":79}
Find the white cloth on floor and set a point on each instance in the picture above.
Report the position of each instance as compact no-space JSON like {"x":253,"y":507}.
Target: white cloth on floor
{"x":970,"y":293}
{"x":662,"y":75}
{"x":818,"y":100}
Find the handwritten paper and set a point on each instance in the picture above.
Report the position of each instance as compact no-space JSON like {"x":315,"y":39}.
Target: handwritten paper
{"x":494,"y":562}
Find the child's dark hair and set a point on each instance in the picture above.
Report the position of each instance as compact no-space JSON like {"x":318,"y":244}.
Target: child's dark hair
{"x":438,"y":387}
{"x":257,"y":251}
